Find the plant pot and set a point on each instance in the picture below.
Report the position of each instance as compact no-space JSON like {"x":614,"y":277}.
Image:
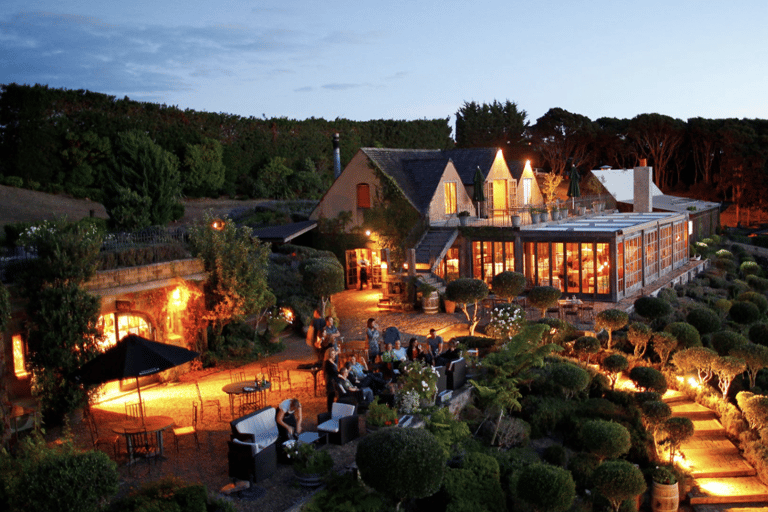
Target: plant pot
{"x":311,"y":480}
{"x":535,"y":218}
{"x":665,"y":497}
{"x":544,"y":216}
{"x":450,"y":306}
{"x":463,"y":220}
{"x":555,"y":214}
{"x":582,"y":210}
{"x":516,"y":221}
{"x":430,"y":303}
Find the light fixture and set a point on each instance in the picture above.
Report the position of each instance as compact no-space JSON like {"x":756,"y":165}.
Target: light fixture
{"x":217,"y":224}
{"x":367,"y":232}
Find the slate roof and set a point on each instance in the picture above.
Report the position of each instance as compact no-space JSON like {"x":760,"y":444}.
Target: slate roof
{"x":284,"y":233}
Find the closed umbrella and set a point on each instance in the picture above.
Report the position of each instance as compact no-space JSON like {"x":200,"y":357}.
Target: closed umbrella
{"x":479,"y":181}
{"x":573,"y":187}
{"x":133,"y":356}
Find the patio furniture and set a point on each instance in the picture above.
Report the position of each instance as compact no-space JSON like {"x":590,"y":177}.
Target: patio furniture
{"x":142,"y":445}
{"x":236,"y":389}
{"x":211,"y":402}
{"x":456,"y":372}
{"x":135,"y":410}
{"x":188,"y":430}
{"x":236,"y":376}
{"x":341,"y":424}
{"x":112,"y":440}
{"x":442,"y":379}
{"x":277,"y":376}
{"x":252,"y":453}
{"x":152,"y":424}
{"x":252,"y":401}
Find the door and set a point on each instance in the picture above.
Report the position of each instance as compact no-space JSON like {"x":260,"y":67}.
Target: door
{"x":499,"y":197}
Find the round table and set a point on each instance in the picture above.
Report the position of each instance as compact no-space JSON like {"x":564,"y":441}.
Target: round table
{"x":152,"y":424}
{"x":241,"y":388}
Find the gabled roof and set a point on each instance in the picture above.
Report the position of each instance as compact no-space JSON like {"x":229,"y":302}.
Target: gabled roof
{"x":284,"y":233}
{"x":425,"y":176}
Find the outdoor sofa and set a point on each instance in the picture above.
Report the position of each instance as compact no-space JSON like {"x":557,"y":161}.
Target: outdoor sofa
{"x":253,"y":446}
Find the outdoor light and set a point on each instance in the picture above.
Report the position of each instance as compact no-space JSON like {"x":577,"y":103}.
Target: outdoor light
{"x":367,"y":232}
{"x":217,"y":224}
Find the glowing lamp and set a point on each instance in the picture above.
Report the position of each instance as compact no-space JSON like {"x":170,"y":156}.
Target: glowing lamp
{"x":217,"y":224}
{"x":367,"y":232}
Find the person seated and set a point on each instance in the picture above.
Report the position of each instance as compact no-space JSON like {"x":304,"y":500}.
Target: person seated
{"x":388,"y":356}
{"x":361,"y":394}
{"x":400,"y":352}
{"x":415,"y":353}
{"x":453,"y":353}
{"x":288,"y":418}
{"x":389,"y":362}
{"x":360,"y":376}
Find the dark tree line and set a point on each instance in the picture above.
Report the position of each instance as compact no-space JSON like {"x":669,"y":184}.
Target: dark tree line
{"x":727,"y":158}
{"x":60,"y":139}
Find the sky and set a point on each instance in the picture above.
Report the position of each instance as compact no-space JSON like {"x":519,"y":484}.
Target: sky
{"x":416,"y":59}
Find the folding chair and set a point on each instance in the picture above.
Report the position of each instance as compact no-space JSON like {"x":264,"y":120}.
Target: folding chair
{"x":276,"y":376}
{"x":188,"y":430}
{"x":207,"y":402}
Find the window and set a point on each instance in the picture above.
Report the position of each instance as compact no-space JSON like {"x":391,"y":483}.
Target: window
{"x":651,"y":255}
{"x":633,"y":260}
{"x":450,"y":197}
{"x":681,"y":242}
{"x":526,"y":191}
{"x":19,"y":366}
{"x":491,"y":258}
{"x":665,"y":248}
{"x":363,"y":195}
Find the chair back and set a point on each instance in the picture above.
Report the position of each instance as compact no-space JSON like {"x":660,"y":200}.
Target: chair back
{"x":199,"y":394}
{"x":92,"y":428}
{"x":236,"y":376}
{"x":194,"y":414}
{"x":135,"y":410}
{"x":341,"y":410}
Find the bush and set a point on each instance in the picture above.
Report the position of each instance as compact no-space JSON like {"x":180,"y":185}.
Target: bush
{"x":563,"y":331}
{"x":466,"y":290}
{"x":587,"y":345}
{"x":171,"y":494}
{"x":344,"y":492}
{"x":556,"y":455}
{"x":389,"y":458}
{"x":722,"y":306}
{"x":648,"y":379}
{"x":704,"y":320}
{"x":744,"y":312}
{"x":687,"y":336}
{"x":759,"y":284}
{"x":669,"y":295}
{"x":543,"y":297}
{"x":570,"y":378}
{"x":618,"y":480}
{"x":758,"y":333}
{"x":546,"y":488}
{"x":611,"y":320}
{"x":614,"y":365}
{"x":474,"y":486}
{"x":508,"y":284}
{"x":748,"y":268}
{"x":652,"y":308}
{"x":582,"y":466}
{"x":606,"y":439}
{"x":725,"y":341}
{"x":758,"y":299}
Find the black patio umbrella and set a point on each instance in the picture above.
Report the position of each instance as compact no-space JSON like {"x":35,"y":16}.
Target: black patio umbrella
{"x":133,"y":356}
{"x":573,"y":187}
{"x":478,"y":194}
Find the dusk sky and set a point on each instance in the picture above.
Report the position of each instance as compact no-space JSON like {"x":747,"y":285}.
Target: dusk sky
{"x":418,"y":59}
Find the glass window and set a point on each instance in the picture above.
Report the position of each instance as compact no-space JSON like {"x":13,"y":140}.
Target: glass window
{"x":19,"y":365}
{"x":450,"y":197}
{"x":603,"y":268}
{"x":558,"y":266}
{"x":509,"y":254}
{"x":587,"y":268}
{"x":542,"y":264}
{"x":681,"y":242}
{"x":363,"y":195}
{"x":572,"y":268}
{"x":651,"y":255}
{"x":526,"y":191}
{"x":620,"y":265}
{"x":633,"y":260}
{"x":529,"y":262}
{"x":665,"y":248}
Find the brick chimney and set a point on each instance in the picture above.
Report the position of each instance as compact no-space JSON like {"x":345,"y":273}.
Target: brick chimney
{"x":336,"y":156}
{"x":642,"y":192}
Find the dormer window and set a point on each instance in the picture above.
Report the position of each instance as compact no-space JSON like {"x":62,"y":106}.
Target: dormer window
{"x":450,"y":197}
{"x":363,"y":195}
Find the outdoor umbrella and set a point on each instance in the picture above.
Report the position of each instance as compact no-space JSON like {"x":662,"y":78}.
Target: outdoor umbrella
{"x":479,"y":195}
{"x":133,"y":356}
{"x":573,"y":187}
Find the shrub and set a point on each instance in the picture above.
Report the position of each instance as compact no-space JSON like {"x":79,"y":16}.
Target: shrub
{"x":687,"y":336}
{"x":508,"y":284}
{"x":704,"y":320}
{"x":555,"y":454}
{"x":759,"y":284}
{"x":343,"y":492}
{"x":447,"y":430}
{"x":663,"y":344}
{"x":506,"y":321}
{"x":587,"y":345}
{"x":652,"y":308}
{"x":611,"y":320}
{"x":559,"y":331}
{"x":546,"y":488}
{"x":722,"y":306}
{"x":639,"y":335}
{"x":758,"y":299}
{"x":467,"y":290}
{"x":389,"y":458}
{"x":606,"y":439}
{"x":648,"y":379}
{"x":618,"y":480}
{"x":748,"y":268}
{"x":756,"y":358}
{"x":543,"y":297}
{"x":758,"y":333}
{"x":13,"y":181}
{"x":614,"y":365}
{"x":582,"y":466}
{"x":474,"y":486}
{"x":755,"y":410}
{"x":570,"y":378}
{"x":744,"y":312}
{"x":674,"y":431}
{"x":696,"y":359}
{"x":725,"y":341}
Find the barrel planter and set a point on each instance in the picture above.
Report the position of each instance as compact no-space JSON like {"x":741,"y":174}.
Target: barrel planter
{"x":665,"y":497}
{"x":305,"y":480}
{"x":431,"y":303}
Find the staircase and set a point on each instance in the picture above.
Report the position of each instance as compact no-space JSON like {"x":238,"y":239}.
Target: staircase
{"x":432,"y":248}
{"x":723,"y":479}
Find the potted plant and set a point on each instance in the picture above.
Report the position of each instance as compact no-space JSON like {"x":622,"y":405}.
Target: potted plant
{"x":449,"y":305}
{"x":534,"y":215}
{"x":421,"y":379}
{"x":517,"y":220}
{"x":309,"y":464}
{"x":379,"y":415}
{"x":463,"y":217}
{"x":665,"y":492}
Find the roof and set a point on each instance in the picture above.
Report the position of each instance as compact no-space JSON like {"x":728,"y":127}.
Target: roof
{"x":608,"y":223}
{"x":284,"y":233}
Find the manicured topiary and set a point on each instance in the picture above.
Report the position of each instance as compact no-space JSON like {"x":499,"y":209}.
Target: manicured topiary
{"x":722,"y":307}
{"x":748,"y":268}
{"x":663,"y":344}
{"x":648,"y":379}
{"x":570,"y":378}
{"x":726,"y":369}
{"x":755,"y":356}
{"x":546,"y":488}
{"x":696,"y":360}
{"x":389,"y":458}
{"x":618,"y":480}
{"x":704,"y":320}
{"x":611,"y":320}
{"x":758,"y":299}
{"x":725,"y":341}
{"x":465,"y":291}
{"x":543,"y":297}
{"x":655,"y":412}
{"x":674,"y":431}
{"x":475,"y":485}
{"x":755,"y":410}
{"x":606,"y":439}
{"x":586,"y":345}
{"x":614,"y":365}
{"x":744,"y":312}
{"x":555,"y":454}
{"x":582,"y":466}
{"x":639,"y":335}
{"x":686,"y":335}
{"x":758,"y":333}
{"x":508,"y":284}
{"x":759,"y":284}
{"x":652,"y":308}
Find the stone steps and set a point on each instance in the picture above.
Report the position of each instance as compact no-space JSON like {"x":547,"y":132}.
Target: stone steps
{"x":692,"y":410}
{"x":747,"y":489}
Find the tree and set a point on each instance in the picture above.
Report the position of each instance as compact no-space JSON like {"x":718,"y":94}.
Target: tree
{"x":560,"y":136}
{"x":657,"y":137}
{"x":639,"y":335}
{"x":499,"y":125}
{"x":614,"y":365}
{"x":611,"y":320}
{"x":664,"y":343}
{"x":755,"y":410}
{"x":586,"y":345}
{"x":606,"y":439}
{"x":546,"y":488}
{"x":618,"y":480}
{"x":549,"y":187}
{"x":508,"y":284}
{"x":5,"y":403}
{"x":322,"y":277}
{"x":696,"y":359}
{"x":648,"y":379}
{"x":544,"y":297}
{"x":704,"y":320}
{"x":237,"y":267}
{"x":652,"y":308}
{"x":655,"y":413}
{"x":612,"y":145}
{"x":144,"y":167}
{"x":727,"y":368}
{"x":571,"y":378}
{"x":675,"y":431}
{"x":467,"y":290}
{"x":725,"y":341}
{"x":755,"y":357}
{"x":686,"y":335}
{"x":204,"y":168}
{"x":704,"y":147}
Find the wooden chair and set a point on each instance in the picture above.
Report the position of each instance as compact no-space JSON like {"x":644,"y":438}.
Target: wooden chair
{"x":236,"y":376}
{"x":112,"y":440}
{"x":188,"y":430}
{"x":135,"y":410}
{"x":276,"y":376}
{"x":142,"y":445}
{"x":253,"y":401}
{"x":207,"y":402}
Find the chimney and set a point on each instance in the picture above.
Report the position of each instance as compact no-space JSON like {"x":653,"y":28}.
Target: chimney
{"x":642,"y":196}
{"x":336,"y":156}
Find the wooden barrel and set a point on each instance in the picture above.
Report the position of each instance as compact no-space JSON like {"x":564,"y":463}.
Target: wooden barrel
{"x":431,"y":303}
{"x":665,"y":497}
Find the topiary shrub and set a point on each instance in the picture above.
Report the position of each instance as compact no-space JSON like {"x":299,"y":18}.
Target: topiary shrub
{"x":674,"y":431}
{"x":759,"y":284}
{"x":570,"y":378}
{"x":618,"y":480}
{"x":606,"y":439}
{"x":476,"y":485}
{"x":704,"y":320}
{"x":722,"y":306}
{"x":686,"y":335}
{"x":389,"y":458}
{"x":725,"y":341}
{"x":582,"y":466}
{"x":508,"y":284}
{"x":698,"y":360}
{"x":586,"y":345}
{"x":546,"y":488}
{"x":648,"y":379}
{"x":614,"y":365}
{"x":663,"y":344}
{"x":639,"y":335}
{"x":171,"y":494}
{"x":744,"y":312}
{"x":748,"y":268}
{"x":670,"y":295}
{"x":758,"y":333}
{"x":652,"y":308}
{"x":543,"y":297}
{"x":465,"y":291}
{"x":758,"y":299}
{"x":611,"y":320}
{"x":555,"y":454}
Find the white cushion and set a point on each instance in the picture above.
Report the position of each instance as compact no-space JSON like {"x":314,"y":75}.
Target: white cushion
{"x":331,"y":425}
{"x":259,"y":425}
{"x":340,"y":410}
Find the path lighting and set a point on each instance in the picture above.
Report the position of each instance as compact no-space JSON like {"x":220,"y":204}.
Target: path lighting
{"x":367,"y":232}
{"x":217,"y":224}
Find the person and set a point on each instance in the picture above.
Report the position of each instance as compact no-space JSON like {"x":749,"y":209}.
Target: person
{"x":331,"y":335}
{"x":416,"y":354}
{"x":314,"y":336}
{"x":453,"y":353}
{"x":288,"y":419}
{"x":331,"y":371}
{"x":399,"y":352}
{"x":361,"y":377}
{"x":363,"y":274}
{"x":435,"y":343}
{"x":362,"y":394}
{"x":373,"y":335}
{"x":388,"y":356}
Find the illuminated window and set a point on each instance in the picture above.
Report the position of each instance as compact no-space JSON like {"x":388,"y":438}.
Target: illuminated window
{"x":526,"y":191}
{"x":19,"y":366}
{"x":363,"y":195}
{"x":127,"y":323}
{"x":450,"y":197}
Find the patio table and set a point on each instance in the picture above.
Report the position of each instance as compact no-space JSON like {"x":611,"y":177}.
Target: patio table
{"x":314,"y":371}
{"x":152,"y":424}
{"x":241,"y":388}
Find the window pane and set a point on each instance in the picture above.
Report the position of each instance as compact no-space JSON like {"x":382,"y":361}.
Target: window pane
{"x":603,"y":268}
{"x":450,"y":198}
{"x":558,"y":268}
{"x":587,"y":268}
{"x":542,"y":258}
{"x":572,"y":267}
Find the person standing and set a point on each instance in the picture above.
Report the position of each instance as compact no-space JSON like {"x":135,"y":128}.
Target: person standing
{"x":330,"y":371}
{"x":288,"y":419}
{"x":435,"y":343}
{"x":373,"y":335}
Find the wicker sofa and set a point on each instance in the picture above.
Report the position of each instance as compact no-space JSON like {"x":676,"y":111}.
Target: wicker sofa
{"x":252,"y":451}
{"x":341,"y":424}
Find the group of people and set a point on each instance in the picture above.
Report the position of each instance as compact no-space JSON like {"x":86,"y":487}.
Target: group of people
{"x":436,"y":352}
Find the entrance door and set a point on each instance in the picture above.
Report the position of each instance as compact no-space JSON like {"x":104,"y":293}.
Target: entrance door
{"x":500,"y":198}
